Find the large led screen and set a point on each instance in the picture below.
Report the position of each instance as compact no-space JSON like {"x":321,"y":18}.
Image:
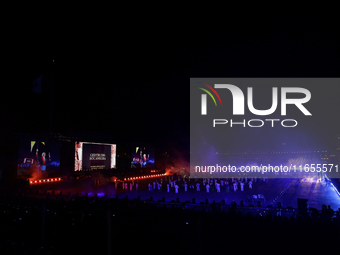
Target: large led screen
{"x":142,"y":157}
{"x":94,"y":156}
{"x":38,"y":157}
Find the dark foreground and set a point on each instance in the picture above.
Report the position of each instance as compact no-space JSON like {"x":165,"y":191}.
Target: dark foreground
{"x":63,"y":224}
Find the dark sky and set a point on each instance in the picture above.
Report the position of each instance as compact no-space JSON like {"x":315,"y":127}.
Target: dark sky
{"x":133,"y":81}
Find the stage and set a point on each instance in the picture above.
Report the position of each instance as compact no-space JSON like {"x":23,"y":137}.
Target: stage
{"x":284,"y":190}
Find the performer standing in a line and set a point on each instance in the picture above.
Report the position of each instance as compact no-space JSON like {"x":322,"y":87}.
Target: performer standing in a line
{"x":185,"y":186}
{"x":235,"y":186}
{"x":218,"y":187}
{"x":168,"y":187}
{"x":130,"y":186}
{"x":137,"y":188}
{"x":207,"y":188}
{"x":197,"y":186}
{"x":176,"y":188}
{"x":250,"y":185}
{"x":242,"y":184}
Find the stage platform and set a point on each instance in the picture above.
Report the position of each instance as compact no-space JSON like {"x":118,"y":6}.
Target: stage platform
{"x":286,"y":191}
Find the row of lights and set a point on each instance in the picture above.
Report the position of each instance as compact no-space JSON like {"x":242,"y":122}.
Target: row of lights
{"x":143,"y":177}
{"x":45,"y":180}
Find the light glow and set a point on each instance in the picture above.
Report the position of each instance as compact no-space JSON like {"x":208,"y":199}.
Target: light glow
{"x":44,"y":180}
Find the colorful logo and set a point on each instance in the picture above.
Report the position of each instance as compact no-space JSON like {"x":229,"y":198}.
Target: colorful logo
{"x":204,"y":98}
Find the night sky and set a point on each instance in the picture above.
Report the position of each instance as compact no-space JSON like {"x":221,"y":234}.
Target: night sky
{"x":133,"y":82}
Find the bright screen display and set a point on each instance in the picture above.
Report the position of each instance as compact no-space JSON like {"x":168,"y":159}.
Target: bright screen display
{"x":142,"y":157}
{"x":38,"y":157}
{"x":94,"y":156}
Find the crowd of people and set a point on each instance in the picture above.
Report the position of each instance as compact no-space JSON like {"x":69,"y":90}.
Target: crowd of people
{"x":66,"y":224}
{"x":173,"y":184}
